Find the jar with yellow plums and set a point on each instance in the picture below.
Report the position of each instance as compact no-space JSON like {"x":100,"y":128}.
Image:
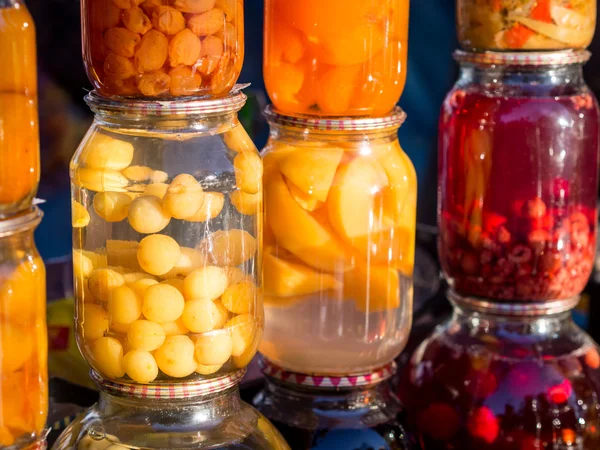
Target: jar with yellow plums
{"x":339,"y":243}
{"x":23,"y":336}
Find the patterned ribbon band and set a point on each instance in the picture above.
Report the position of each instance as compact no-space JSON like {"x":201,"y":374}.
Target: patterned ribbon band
{"x":329,"y":382}
{"x":182,"y":390}
{"x":550,"y":58}
{"x":523,"y":309}
{"x":181,"y":107}
{"x":393,"y":120}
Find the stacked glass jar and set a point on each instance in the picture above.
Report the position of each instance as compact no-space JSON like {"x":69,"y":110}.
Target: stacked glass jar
{"x":23,"y":336}
{"x":518,"y":183}
{"x":167,"y":229}
{"x":340,"y":214}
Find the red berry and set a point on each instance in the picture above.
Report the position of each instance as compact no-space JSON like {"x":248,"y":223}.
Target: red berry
{"x":538,"y":239}
{"x":484,"y":424}
{"x":439,"y":421}
{"x":503,"y":235}
{"x":492,"y":221}
{"x":470,"y":263}
{"x":592,"y":358}
{"x":534,"y":209}
{"x":561,"y":392}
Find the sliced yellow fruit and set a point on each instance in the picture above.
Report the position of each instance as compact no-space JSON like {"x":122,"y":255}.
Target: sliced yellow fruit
{"x":79,"y":215}
{"x":307,"y":201}
{"x":373,"y":288}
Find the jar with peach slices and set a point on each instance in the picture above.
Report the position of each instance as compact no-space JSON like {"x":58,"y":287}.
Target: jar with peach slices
{"x":23,"y":335}
{"x":336,"y":57}
{"x":163,"y":48}
{"x":167,"y":204}
{"x":340,"y":213}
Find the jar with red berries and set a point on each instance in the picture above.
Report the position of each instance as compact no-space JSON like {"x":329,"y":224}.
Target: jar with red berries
{"x":505,"y":378}
{"x":518,"y":174}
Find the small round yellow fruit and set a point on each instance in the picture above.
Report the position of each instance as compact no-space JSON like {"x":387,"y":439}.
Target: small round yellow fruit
{"x":112,"y":206}
{"x":157,"y":254}
{"x":163,"y":303}
{"x":107,"y":354}
{"x":145,"y":335}
{"x":184,"y":197}
{"x":175,"y":357}
{"x":208,"y":283}
{"x":213,"y":348}
{"x":147,"y":215}
{"x":140,"y":366}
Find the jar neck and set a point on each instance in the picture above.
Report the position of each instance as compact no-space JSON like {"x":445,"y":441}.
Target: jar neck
{"x":293,"y":135}
{"x":528,"y":81}
{"x":20,"y":241}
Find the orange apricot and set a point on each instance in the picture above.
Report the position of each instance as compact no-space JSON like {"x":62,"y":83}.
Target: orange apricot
{"x":121,"y":41}
{"x":102,"y":14}
{"x":150,"y":5}
{"x":22,"y":293}
{"x":225,"y":75}
{"x":184,"y":48}
{"x":184,"y":81}
{"x":118,"y":67}
{"x":121,"y":86}
{"x":124,"y":4}
{"x":136,"y":21}
{"x":207,"y":23}
{"x":229,"y":7}
{"x":152,"y":52}
{"x":168,"y":20}
{"x":284,"y":82}
{"x":17,"y":346}
{"x":154,"y":83}
{"x":194,"y":6}
{"x":355,"y":46}
{"x":229,"y":35}
{"x":335,"y":89}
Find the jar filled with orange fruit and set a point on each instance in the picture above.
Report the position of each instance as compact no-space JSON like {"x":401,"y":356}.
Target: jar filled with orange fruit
{"x":163,"y":48}
{"x":23,"y":336}
{"x":19,"y":136}
{"x":335,"y":57}
{"x":167,"y":209}
{"x":339,"y":243}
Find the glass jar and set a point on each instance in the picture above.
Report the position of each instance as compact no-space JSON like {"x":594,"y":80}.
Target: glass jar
{"x":365,"y":415}
{"x":505,"y":379}
{"x":525,"y":25}
{"x":518,"y":171}
{"x":167,"y":204}
{"x":19,"y":135}
{"x":158,"y":48}
{"x":336,"y":58}
{"x":23,"y":336}
{"x":340,"y":214}
{"x":141,"y":419}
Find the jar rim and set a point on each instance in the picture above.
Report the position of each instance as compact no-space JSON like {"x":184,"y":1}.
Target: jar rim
{"x":233,"y":102}
{"x":363,"y":379}
{"x":523,"y":59}
{"x":168,"y":390}
{"x":24,"y":221}
{"x":513,"y":308}
{"x":394,"y":119}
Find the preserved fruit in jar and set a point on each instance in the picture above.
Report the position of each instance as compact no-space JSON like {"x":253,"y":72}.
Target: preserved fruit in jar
{"x":335,"y":58}
{"x":518,"y":168}
{"x":157,"y":48}
{"x":490,"y":381}
{"x":23,"y":336}
{"x":526,"y":24}
{"x":19,"y":136}
{"x":340,"y":213}
{"x":166,"y":255}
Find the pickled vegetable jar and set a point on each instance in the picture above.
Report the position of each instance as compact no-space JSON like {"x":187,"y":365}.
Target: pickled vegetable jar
{"x":518,"y":177}
{"x":167,"y":205}
{"x":335,"y":57}
{"x":162,"y":48}
{"x":23,"y":336}
{"x":198,"y":416}
{"x":487,"y":380}
{"x":19,"y":136}
{"x":340,"y":213}
{"x":526,"y":24}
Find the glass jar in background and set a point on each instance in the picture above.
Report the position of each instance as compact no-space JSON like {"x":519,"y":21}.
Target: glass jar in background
{"x":157,"y":48}
{"x":335,"y":58}
{"x":339,"y":244}
{"x":518,"y":171}
{"x":167,"y":204}
{"x":23,"y":336}
{"x":505,"y":379}
{"x":19,"y":135}
{"x":159,"y":419}
{"x":363,"y":414}
{"x":525,"y":25}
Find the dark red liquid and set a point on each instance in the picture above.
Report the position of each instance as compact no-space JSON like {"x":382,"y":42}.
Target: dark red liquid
{"x":463,"y":393}
{"x":518,"y":187}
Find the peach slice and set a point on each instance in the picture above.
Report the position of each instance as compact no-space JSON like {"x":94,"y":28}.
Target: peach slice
{"x":355,"y":202}
{"x":299,"y":232}
{"x":312,"y":170}
{"x":373,"y":288}
{"x":308,"y":202}
{"x":286,"y":278}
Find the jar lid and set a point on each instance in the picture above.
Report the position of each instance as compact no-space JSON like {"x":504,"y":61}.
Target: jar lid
{"x":508,"y":308}
{"x":22,"y":221}
{"x":169,"y":391}
{"x":524,"y":59}
{"x":234,"y":101}
{"x":325,"y":381}
{"x":393,"y":120}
